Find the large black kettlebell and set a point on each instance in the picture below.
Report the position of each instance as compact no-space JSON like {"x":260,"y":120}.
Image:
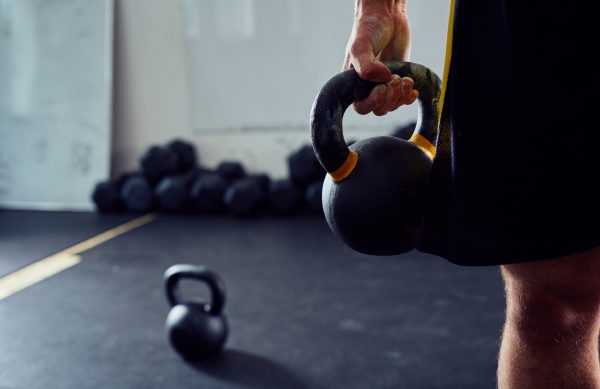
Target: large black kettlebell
{"x":196,"y":330}
{"x":375,"y":193}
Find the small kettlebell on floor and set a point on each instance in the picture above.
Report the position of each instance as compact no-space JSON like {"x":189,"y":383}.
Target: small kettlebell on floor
{"x":375,"y":193}
{"x":195,"y":330}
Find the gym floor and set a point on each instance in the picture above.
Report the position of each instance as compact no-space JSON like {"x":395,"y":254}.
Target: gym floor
{"x":304,"y":311}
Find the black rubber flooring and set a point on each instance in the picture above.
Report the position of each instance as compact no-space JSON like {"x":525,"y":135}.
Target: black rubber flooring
{"x":28,"y":236}
{"x":304,"y":312}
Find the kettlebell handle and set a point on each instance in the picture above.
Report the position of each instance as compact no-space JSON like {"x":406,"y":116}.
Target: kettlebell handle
{"x":347,"y":87}
{"x":216,"y":285}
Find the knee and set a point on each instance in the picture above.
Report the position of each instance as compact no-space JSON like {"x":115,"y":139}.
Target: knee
{"x":553,"y":302}
{"x":542,"y":318}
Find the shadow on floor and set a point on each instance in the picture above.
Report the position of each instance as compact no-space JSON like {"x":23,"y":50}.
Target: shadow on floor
{"x":249,"y":370}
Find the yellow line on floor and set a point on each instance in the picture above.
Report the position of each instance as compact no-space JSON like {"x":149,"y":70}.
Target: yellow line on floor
{"x":36,"y":272}
{"x":107,"y":235}
{"x":55,"y":263}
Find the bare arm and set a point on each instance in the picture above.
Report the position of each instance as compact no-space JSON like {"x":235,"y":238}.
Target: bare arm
{"x":381,"y":32}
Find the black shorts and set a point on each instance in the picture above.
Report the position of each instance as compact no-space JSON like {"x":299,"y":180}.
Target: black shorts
{"x":515,"y":178}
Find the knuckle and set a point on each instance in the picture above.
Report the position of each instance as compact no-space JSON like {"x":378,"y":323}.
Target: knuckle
{"x":396,"y":93}
{"x":361,"y":109}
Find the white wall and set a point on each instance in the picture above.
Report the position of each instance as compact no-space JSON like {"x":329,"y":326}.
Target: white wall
{"x":55,"y":101}
{"x":152,"y":98}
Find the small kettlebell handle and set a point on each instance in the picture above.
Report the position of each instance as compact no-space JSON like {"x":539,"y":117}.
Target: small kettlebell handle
{"x":347,"y":87}
{"x":216,"y":285}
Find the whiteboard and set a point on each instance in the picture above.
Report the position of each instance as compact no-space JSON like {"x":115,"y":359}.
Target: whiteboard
{"x":257,"y":65}
{"x":55,"y":101}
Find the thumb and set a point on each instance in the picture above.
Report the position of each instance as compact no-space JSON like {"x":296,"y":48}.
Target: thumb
{"x":367,"y":65}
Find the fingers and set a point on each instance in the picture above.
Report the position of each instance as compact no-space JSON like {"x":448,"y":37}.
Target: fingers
{"x":374,"y":101}
{"x":388,"y":97}
{"x":408,"y":95}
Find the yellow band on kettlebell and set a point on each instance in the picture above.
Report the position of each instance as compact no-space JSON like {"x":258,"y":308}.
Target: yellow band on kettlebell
{"x":346,"y":168}
{"x":424,"y":144}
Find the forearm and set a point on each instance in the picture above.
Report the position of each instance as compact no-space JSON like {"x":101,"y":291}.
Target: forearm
{"x":387,"y":6}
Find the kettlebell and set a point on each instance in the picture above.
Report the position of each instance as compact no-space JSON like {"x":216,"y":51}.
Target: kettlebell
{"x":375,"y":192}
{"x":195,"y":330}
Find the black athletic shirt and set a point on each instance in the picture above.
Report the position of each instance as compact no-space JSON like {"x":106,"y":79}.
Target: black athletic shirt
{"x":516,"y":173}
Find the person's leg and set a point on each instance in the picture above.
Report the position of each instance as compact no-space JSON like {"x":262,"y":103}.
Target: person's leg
{"x":550,"y":338}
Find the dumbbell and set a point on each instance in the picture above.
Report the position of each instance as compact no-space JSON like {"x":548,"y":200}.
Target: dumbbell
{"x":231,"y":171}
{"x":405,"y":131}
{"x":136,"y":194}
{"x":313,"y":197}
{"x":106,"y":196}
{"x":304,"y":167}
{"x":284,"y":197}
{"x":245,"y":196}
{"x":263,"y":180}
{"x":173,"y":192}
{"x":375,"y":194}
{"x":187,"y":158}
{"x":158,"y":162}
{"x":196,"y":330}
{"x":206,"y":193}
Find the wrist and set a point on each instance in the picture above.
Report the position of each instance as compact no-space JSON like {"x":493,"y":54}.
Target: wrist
{"x":400,"y":6}
{"x":380,"y":7}
{"x":363,"y":7}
